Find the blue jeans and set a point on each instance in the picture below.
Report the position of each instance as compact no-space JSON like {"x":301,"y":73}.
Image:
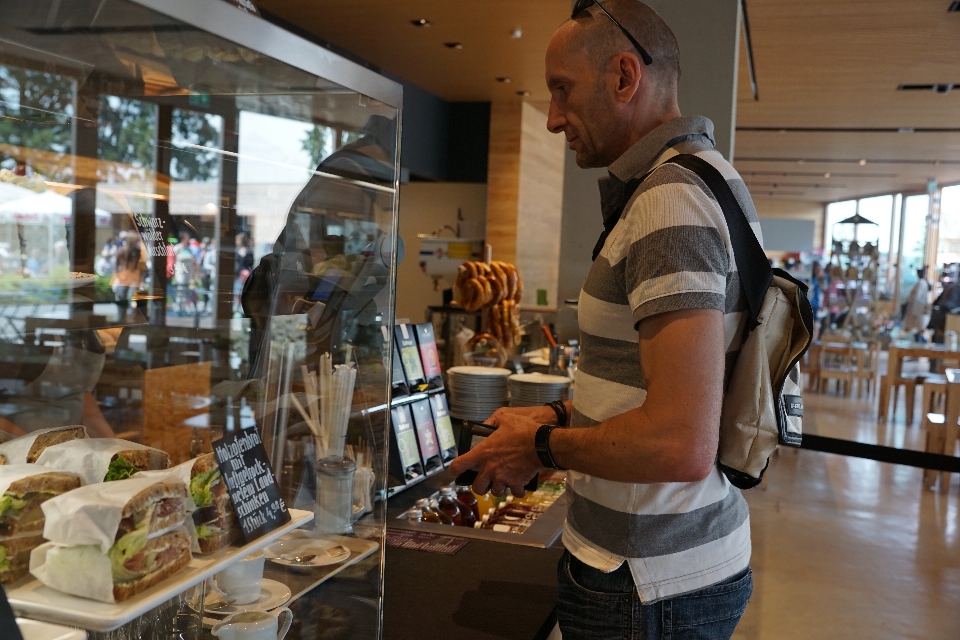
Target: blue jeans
{"x":605,"y":606}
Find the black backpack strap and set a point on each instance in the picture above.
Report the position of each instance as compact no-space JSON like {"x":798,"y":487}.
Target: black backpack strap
{"x":753,"y":268}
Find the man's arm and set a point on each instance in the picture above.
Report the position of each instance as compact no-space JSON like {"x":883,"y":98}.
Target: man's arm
{"x":672,"y":437}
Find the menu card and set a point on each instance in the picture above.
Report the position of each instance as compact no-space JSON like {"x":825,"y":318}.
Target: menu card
{"x":405,"y":457}
{"x":426,"y":435}
{"x":429,"y":355}
{"x":441,"y":422}
{"x":251,"y":483}
{"x":410,"y":356}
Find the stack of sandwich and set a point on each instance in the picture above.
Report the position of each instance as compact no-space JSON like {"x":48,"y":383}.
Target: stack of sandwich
{"x":113,"y":540}
{"x":25,"y":487}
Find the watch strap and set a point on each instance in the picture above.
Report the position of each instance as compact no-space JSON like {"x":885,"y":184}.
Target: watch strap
{"x":542,"y":444}
{"x":559,"y":408}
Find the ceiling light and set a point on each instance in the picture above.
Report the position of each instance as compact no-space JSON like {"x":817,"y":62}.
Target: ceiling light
{"x":954,"y":6}
{"x":862,"y":162}
{"x":453,"y":45}
{"x":516,"y":33}
{"x":523,"y":93}
{"x":905,"y":130}
{"x":826,"y":175}
{"x":422,"y":22}
{"x":800,"y":161}
{"x":505,"y":79}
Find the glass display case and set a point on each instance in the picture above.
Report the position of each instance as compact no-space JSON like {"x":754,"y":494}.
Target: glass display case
{"x":198,"y":239}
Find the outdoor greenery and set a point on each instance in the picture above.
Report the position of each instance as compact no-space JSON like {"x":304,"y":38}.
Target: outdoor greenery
{"x":319,"y":143}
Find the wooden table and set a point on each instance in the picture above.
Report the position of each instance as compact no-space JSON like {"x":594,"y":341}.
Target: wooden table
{"x":951,"y":428}
{"x":897,"y":352}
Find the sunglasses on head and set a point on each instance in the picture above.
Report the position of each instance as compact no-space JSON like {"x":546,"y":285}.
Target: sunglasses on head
{"x":583,"y":5}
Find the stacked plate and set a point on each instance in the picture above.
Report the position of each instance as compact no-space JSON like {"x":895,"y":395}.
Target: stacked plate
{"x":476,"y":392}
{"x":535,"y":389}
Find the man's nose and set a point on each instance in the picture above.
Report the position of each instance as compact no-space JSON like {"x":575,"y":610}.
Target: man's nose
{"x":556,"y":121}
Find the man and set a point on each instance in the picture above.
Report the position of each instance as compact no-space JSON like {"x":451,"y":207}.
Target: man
{"x":658,"y":541}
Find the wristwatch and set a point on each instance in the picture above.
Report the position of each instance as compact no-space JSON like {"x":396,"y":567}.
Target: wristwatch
{"x":559,"y":408}
{"x":542,"y":444}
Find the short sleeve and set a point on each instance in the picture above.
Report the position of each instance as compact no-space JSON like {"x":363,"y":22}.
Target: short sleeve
{"x":674,"y":244}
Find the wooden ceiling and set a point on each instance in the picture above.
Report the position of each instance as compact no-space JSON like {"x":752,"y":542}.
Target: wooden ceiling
{"x":827,"y":72}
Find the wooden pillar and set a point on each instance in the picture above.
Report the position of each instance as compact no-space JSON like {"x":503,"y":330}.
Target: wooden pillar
{"x":525,"y":196}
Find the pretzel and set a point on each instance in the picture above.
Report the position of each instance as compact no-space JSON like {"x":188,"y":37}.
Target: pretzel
{"x":501,"y":275}
{"x":473,"y":295}
{"x":518,"y":294}
{"x":494,"y":321}
{"x":497,"y":288}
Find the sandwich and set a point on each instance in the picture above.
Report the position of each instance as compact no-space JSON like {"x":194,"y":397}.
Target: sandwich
{"x":137,"y":561}
{"x":111,"y":541}
{"x":28,"y":486}
{"x":216,"y":523}
{"x":103,"y":459}
{"x":26,"y":449}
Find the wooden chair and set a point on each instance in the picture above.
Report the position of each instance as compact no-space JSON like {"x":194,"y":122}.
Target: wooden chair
{"x":835,"y":364}
{"x":942,"y":431}
{"x":934,"y":392}
{"x":867,"y":365}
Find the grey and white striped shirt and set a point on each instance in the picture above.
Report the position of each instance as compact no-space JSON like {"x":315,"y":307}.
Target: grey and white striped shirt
{"x":670,"y":251}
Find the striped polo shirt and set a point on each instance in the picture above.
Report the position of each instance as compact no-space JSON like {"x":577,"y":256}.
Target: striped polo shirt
{"x":670,"y":251}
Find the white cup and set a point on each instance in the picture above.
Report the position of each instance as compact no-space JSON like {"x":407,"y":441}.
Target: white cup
{"x":254,"y":625}
{"x":240,"y":582}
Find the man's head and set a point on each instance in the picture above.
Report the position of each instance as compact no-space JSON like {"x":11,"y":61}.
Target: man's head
{"x":603,"y":97}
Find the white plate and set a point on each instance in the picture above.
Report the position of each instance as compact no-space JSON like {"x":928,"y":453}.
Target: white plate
{"x":273,"y":594}
{"x":479,"y":371}
{"x":325,"y":550}
{"x":538,"y":378}
{"x":33,"y":630}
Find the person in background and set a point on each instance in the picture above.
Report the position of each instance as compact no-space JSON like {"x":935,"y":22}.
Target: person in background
{"x":208,"y":270}
{"x":815,"y":294}
{"x":126,"y":280}
{"x":917,"y":307}
{"x":184,"y":272}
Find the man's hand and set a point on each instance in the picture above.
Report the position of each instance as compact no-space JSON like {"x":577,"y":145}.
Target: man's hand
{"x":507,"y":458}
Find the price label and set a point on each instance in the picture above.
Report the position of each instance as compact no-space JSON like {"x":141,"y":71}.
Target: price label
{"x":251,"y":483}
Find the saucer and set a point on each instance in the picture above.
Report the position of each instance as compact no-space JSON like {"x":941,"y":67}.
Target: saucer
{"x":327,"y":553}
{"x":273,"y":594}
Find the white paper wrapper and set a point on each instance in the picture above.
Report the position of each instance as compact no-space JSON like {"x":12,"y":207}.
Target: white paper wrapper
{"x":81,"y":570}
{"x":91,"y":514}
{"x":90,"y":457}
{"x":181,"y":473}
{"x":16,"y":450}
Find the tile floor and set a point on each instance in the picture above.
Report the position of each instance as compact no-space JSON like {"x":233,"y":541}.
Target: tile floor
{"x":851,"y":548}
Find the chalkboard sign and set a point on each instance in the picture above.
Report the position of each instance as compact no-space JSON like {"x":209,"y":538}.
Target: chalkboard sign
{"x":251,"y":483}
{"x":8,"y":623}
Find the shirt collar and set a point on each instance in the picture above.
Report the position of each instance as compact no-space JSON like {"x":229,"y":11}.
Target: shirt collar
{"x":639,"y":158}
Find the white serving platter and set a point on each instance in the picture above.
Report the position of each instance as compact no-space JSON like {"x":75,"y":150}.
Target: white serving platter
{"x":32,"y":599}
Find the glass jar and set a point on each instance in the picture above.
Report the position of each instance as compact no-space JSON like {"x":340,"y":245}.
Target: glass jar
{"x":334,"y":510}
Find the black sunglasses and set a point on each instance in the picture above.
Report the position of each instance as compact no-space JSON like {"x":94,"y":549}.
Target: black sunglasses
{"x":583,"y":5}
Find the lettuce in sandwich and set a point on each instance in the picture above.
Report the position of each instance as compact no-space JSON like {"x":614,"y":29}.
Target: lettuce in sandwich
{"x":119,"y":469}
{"x":200,"y":487}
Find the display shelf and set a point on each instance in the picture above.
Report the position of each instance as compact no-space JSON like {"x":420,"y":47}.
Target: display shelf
{"x":34,"y":600}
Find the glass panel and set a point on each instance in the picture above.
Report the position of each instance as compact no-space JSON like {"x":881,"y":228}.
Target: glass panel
{"x":949,"y":249}
{"x":191,"y":233}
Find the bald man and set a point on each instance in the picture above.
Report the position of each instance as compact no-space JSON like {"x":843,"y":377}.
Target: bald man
{"x":657,"y":539}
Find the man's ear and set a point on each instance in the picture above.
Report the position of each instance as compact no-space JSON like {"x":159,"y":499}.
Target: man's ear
{"x":629,"y":74}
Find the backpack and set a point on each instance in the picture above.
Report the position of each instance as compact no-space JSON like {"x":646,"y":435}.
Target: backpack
{"x":762,"y":403}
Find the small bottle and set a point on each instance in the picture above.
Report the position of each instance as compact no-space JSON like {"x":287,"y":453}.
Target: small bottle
{"x":444,"y":518}
{"x":450,"y":505}
{"x":465,"y":495}
{"x":415,"y":515}
{"x":429,"y":515}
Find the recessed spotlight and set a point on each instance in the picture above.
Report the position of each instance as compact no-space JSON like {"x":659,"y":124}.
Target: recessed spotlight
{"x":782,"y":131}
{"x":862,"y":162}
{"x":505,"y":79}
{"x":523,"y":93}
{"x":517,"y":33}
{"x":422,"y":22}
{"x":453,"y":45}
{"x":826,"y":175}
{"x":800,"y":161}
